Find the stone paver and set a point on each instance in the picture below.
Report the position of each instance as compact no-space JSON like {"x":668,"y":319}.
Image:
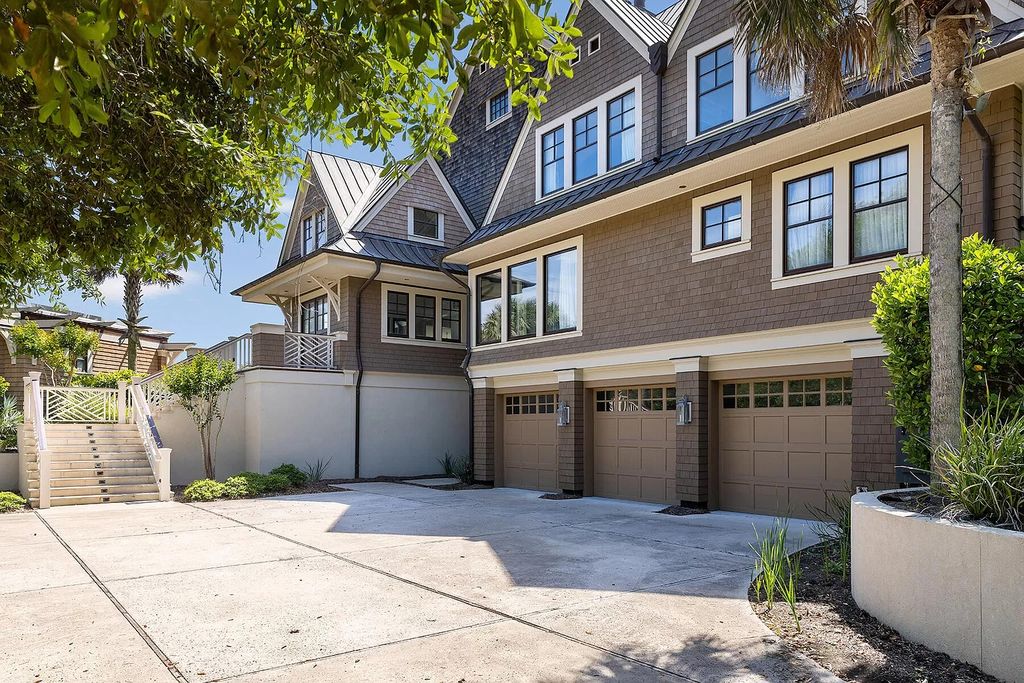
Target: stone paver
{"x":386,"y":582}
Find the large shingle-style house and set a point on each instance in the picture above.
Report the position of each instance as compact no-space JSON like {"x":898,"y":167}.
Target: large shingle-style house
{"x":659,"y":291}
{"x":671,"y":274}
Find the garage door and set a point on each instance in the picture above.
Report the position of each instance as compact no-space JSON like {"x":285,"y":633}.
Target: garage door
{"x":635,"y":443}
{"x":529,"y":452}
{"x":784,"y":444}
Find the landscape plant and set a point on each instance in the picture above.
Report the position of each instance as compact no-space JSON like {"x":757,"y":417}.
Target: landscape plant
{"x":832,"y":527}
{"x":10,"y":501}
{"x":105,"y":380}
{"x":315,"y":471}
{"x":241,"y":485}
{"x":4,"y":386}
{"x":200,"y":386}
{"x":993,"y":337}
{"x":203,"y":490}
{"x":459,"y":467}
{"x":776,"y":571}
{"x":56,"y":349}
{"x":10,"y":418}
{"x":821,"y":43}
{"x":294,"y":475}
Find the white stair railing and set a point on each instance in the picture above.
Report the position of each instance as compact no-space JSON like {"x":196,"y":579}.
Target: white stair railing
{"x":34,"y":415}
{"x":159,"y":457}
{"x":83,"y":404}
{"x":308,"y":350}
{"x":157,"y":394}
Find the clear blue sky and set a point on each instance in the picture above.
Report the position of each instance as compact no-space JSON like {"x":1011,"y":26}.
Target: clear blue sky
{"x":197,"y":312}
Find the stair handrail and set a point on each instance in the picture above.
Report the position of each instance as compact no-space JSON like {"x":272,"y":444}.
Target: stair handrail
{"x":34,"y":395}
{"x":158,"y":456}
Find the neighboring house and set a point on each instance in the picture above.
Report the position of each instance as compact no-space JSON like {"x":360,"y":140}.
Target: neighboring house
{"x":156,"y":352}
{"x":672,"y":303}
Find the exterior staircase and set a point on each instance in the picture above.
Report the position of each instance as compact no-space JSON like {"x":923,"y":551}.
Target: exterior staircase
{"x":95,"y":463}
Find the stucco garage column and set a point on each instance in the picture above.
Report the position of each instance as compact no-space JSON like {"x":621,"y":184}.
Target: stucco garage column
{"x":692,"y":439}
{"x":572,"y":448}
{"x":484,"y":430}
{"x":875,"y":436}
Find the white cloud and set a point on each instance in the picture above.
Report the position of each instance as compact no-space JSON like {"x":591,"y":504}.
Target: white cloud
{"x":112,"y":289}
{"x":284,"y":207}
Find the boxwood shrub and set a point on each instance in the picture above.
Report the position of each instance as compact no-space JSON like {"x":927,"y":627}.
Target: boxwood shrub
{"x":296,"y":476}
{"x":203,"y":489}
{"x":10,"y":501}
{"x":993,"y":336}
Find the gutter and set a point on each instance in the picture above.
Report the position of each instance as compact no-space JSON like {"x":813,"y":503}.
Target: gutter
{"x":465,"y":365}
{"x":987,"y":223}
{"x":359,"y":365}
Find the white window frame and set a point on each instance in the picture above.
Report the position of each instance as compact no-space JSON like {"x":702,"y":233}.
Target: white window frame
{"x":743,"y":193}
{"x":590,"y":44}
{"x":739,"y":85}
{"x":839,"y":163}
{"x":487,"y":107}
{"x":411,"y":340}
{"x":419,"y":238}
{"x":502,"y":267}
{"x":565,"y":121}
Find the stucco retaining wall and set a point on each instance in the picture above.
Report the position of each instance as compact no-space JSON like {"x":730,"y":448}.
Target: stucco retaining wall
{"x":956,"y":588}
{"x":8,"y":470}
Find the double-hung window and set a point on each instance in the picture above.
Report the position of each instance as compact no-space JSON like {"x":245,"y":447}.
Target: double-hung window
{"x":621,"y":125}
{"x":314,"y":318}
{"x":398,"y":314}
{"x":314,"y":232}
{"x":808,"y":223}
{"x":552,"y":158}
{"x":308,"y":237}
{"x":759,"y":95}
{"x":498,"y":106}
{"x":714,"y":88}
{"x":560,"y":294}
{"x":451,"y":320}
{"x":878,"y":205}
{"x":320,"y":226}
{"x":488,"y":308}
{"x":721,"y":223}
{"x":522,"y":300}
{"x":584,"y":146}
{"x":426,"y":317}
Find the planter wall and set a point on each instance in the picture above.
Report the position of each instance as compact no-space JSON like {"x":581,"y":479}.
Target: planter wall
{"x":8,"y":470}
{"x":955,"y":588}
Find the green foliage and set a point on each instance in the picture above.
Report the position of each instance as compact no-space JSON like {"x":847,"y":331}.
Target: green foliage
{"x":4,"y":386}
{"x":198,"y":384}
{"x":10,"y":418}
{"x":202,"y":490}
{"x":10,"y":501}
{"x":984,"y":477}
{"x":775,"y":570}
{"x":249,"y":484}
{"x":57,"y":349}
{"x":294,"y":475}
{"x":315,"y":471}
{"x":105,"y":380}
{"x":993,"y":336}
{"x":102,"y":106}
{"x":832,"y":526}
{"x":459,"y":467}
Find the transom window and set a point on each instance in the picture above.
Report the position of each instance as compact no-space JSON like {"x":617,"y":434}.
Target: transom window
{"x":635,"y":399}
{"x":621,"y":122}
{"x":531,"y":404}
{"x":714,"y":88}
{"x":721,"y":223}
{"x":811,"y":392}
{"x":584,"y":146}
{"x":808,"y":223}
{"x":315,"y":316}
{"x":398,"y":314}
{"x":426,"y":317}
{"x":878,"y":203}
{"x":421,"y":316}
{"x":425,"y":224}
{"x":552,"y":156}
{"x":488,"y":308}
{"x":759,"y":95}
{"x":498,"y":107}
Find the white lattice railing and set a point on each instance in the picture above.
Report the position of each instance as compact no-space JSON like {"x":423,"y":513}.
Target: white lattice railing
{"x":156,"y":393}
{"x":308,"y":350}
{"x":81,"y":404}
{"x":159,"y":457}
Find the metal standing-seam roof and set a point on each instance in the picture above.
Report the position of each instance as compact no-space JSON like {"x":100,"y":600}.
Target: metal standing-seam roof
{"x":670,"y":15}
{"x":347,"y":184}
{"x":646,"y":25}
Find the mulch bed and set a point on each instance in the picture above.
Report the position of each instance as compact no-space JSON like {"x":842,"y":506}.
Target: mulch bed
{"x":682,"y":510}
{"x":337,"y":485}
{"x":851,"y":643}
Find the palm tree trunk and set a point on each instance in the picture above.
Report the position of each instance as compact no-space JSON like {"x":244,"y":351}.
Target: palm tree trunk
{"x":945,"y":300}
{"x":132,"y":308}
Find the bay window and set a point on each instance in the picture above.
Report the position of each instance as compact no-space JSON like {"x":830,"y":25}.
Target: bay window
{"x":423,"y":317}
{"x":451,"y":320}
{"x":426,"y":317}
{"x":398,"y":314}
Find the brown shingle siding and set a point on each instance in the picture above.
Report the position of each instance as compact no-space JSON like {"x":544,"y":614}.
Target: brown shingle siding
{"x":422,"y":190}
{"x":874,"y":434}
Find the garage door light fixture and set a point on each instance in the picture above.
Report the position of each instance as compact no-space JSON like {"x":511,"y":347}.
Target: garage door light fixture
{"x":563,"y":414}
{"x":684,"y":410}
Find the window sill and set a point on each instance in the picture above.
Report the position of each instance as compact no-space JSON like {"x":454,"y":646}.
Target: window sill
{"x":600,"y":176}
{"x":529,"y":340}
{"x":427,"y":240}
{"x":423,"y":342}
{"x":719,"y":251}
{"x":499,"y":120}
{"x":835,"y":273}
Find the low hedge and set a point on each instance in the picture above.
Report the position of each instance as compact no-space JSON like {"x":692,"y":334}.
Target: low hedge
{"x":10,"y":501}
{"x":296,"y":476}
{"x":242,"y":485}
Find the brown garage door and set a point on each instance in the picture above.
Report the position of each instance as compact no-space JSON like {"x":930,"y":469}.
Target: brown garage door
{"x":635,"y":443}
{"x":529,"y":453}
{"x":783,"y":444}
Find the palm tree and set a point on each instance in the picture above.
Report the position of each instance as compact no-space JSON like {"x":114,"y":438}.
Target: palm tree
{"x":829,"y":39}
{"x":134,"y":280}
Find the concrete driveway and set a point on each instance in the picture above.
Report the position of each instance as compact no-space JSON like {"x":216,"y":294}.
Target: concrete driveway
{"x":387,"y":582}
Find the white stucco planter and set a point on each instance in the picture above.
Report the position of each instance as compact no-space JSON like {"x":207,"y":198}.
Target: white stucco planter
{"x":956,"y":588}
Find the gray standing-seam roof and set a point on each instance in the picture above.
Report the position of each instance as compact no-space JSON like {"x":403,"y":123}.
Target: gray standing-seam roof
{"x":747,"y":133}
{"x":346,"y":184}
{"x":670,"y":15}
{"x":650,"y":28}
{"x":388,"y":249}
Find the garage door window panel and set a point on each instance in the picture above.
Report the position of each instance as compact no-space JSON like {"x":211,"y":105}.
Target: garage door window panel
{"x":768,"y":394}
{"x":736,"y":395}
{"x":804,"y":393}
{"x":839,"y":391}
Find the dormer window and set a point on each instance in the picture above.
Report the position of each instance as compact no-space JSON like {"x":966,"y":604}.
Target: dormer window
{"x":759,"y":95}
{"x":425,"y":224}
{"x":621,"y":122}
{"x":714,"y":88}
{"x":314,"y":232}
{"x":499,"y":106}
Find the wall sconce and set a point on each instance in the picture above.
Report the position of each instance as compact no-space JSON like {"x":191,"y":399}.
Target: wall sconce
{"x":563,"y":414}
{"x":684,"y":410}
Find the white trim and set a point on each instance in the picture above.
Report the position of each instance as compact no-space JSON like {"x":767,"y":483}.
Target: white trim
{"x":868,"y":348}
{"x":630,"y":36}
{"x":679,"y":31}
{"x":1005,"y":10}
{"x":565,"y":122}
{"x":487,"y":109}
{"x":839,"y":163}
{"x":411,"y":340}
{"x":739,"y":85}
{"x":293,"y":218}
{"x":502,"y":267}
{"x":691,"y":364}
{"x":411,"y":223}
{"x":743,"y":193}
{"x":569,"y":375}
{"x":590,"y":43}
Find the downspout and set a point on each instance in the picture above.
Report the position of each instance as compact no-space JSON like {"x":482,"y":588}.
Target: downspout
{"x":659,"y":61}
{"x":465,"y":364}
{"x":987,"y":224}
{"x":359,"y":362}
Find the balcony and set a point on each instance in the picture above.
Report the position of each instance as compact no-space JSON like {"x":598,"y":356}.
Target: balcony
{"x":308,"y":350}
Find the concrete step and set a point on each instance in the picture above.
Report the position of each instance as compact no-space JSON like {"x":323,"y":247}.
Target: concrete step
{"x":109,"y":498}
{"x":61,"y":456}
{"x":85,"y":441}
{"x":116,"y":471}
{"x":81,"y":428}
{"x":101,"y":490}
{"x":112,"y":478}
{"x":85,"y":462}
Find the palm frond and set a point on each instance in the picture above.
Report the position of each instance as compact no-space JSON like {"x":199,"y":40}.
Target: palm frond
{"x":898,"y":27}
{"x":785,"y":32}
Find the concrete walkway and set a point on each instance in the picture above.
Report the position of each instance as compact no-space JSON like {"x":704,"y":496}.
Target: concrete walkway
{"x":387,"y":582}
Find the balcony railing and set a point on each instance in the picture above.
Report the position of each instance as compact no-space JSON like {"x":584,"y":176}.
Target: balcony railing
{"x":308,"y":350}
{"x":236,"y":349}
